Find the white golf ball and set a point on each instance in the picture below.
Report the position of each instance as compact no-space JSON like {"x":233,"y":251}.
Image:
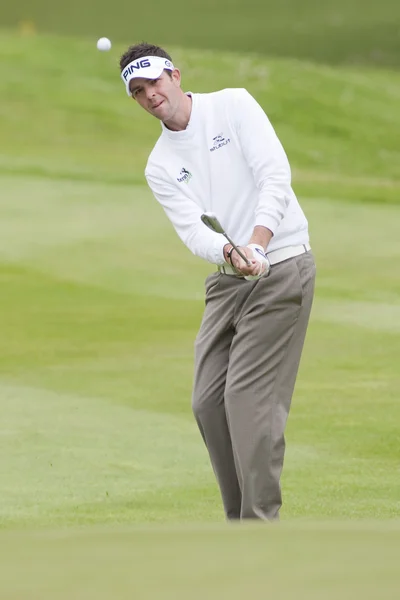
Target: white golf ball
{"x":103,"y":44}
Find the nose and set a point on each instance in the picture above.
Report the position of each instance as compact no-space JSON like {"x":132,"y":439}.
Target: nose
{"x":150,"y":93}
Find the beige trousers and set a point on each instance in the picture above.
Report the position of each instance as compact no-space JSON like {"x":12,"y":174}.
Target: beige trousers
{"x":247,"y":354}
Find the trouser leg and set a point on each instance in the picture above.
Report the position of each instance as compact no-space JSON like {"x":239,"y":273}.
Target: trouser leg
{"x":264,"y":358}
{"x":211,"y":363}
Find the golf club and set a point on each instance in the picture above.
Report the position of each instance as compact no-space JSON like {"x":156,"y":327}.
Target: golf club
{"x":212,"y":223}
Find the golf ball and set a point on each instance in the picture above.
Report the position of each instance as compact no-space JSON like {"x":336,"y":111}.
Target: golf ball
{"x":103,"y":44}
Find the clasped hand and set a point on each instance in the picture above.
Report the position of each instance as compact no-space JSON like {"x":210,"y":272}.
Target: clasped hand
{"x":258,"y":262}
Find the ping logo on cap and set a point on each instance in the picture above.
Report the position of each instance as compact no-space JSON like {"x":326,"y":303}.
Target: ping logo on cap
{"x":149,"y":67}
{"x":139,"y":64}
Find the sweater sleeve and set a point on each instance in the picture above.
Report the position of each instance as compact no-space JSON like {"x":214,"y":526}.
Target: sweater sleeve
{"x":185,"y":216}
{"x":266,"y":158}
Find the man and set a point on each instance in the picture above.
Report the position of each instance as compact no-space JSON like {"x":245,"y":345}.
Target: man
{"x":218,"y":152}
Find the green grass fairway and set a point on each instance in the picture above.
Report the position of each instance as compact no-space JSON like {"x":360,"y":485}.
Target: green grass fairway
{"x":353,"y":32}
{"x":106,"y":488}
{"x":289,"y":563}
{"x":97,"y":364}
{"x":98,"y":322}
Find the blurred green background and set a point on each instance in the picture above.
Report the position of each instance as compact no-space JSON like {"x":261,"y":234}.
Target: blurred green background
{"x":97,"y":321}
{"x":345,"y":31}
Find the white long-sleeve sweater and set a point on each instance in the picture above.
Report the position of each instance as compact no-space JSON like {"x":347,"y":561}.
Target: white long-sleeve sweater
{"x":230,"y":161}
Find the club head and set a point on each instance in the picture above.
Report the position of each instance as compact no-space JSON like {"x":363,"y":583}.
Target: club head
{"x":212,"y":222}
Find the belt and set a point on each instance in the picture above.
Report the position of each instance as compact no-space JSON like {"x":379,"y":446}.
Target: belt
{"x":274,"y":257}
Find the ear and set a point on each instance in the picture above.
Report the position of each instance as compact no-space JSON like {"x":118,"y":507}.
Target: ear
{"x":176,"y":77}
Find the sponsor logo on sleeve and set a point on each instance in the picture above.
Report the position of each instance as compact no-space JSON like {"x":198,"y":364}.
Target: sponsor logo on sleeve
{"x":184,"y":176}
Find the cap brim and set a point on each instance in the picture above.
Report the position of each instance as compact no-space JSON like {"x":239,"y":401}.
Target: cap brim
{"x":149,"y":73}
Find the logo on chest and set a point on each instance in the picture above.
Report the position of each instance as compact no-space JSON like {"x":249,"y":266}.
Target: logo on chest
{"x":184,"y":176}
{"x":218,"y":142}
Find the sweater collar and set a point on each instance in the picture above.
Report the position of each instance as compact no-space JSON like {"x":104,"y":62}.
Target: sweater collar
{"x":191,"y":126}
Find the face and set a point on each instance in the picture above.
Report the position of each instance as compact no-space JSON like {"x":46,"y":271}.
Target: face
{"x":160,"y":97}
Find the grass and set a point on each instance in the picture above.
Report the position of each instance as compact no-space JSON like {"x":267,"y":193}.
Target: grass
{"x":62,"y":98}
{"x":190,"y":562}
{"x":97,"y":365}
{"x":355,"y":32}
{"x":98,"y":326}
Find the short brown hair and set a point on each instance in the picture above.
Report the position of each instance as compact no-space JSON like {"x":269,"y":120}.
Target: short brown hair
{"x":141,"y":50}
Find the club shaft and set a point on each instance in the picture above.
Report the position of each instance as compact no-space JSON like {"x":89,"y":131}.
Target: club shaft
{"x":246,"y":260}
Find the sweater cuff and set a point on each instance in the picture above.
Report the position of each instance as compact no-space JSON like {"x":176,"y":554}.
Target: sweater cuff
{"x":219,"y":251}
{"x":268,"y":221}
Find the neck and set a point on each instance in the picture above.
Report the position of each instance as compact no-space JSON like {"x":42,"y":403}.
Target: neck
{"x":181,"y":118}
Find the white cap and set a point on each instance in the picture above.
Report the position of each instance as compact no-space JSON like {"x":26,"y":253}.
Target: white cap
{"x":149,"y":67}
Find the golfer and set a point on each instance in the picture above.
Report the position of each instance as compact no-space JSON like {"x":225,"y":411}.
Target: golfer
{"x":219,"y":153}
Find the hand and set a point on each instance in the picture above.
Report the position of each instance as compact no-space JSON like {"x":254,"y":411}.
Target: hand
{"x":260,"y":256}
{"x":258,"y":262}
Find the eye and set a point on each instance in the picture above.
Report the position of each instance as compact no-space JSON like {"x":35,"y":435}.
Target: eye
{"x":154,"y":81}
{"x":135,"y":92}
